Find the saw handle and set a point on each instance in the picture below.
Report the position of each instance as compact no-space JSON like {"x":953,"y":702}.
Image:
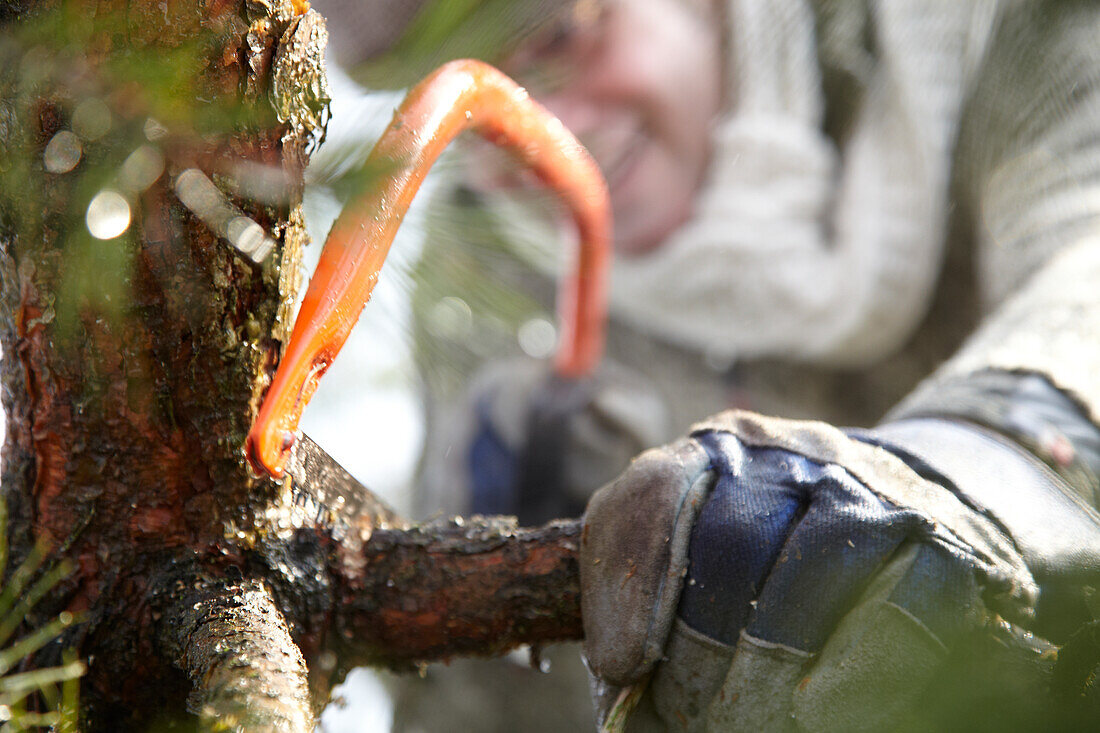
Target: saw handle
{"x":458,"y":95}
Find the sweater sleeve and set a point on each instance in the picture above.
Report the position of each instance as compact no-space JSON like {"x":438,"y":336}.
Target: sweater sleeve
{"x":1031,"y":175}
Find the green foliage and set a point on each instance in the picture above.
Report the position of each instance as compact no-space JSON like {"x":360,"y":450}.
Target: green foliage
{"x":475,"y":285}
{"x":449,"y":29}
{"x":39,"y":698}
{"x":88,"y":107}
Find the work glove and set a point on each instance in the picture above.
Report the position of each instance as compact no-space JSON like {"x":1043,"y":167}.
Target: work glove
{"x":539,"y":444}
{"x":774,"y":575}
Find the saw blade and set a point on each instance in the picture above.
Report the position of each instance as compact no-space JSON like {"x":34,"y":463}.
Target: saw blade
{"x":326,"y":491}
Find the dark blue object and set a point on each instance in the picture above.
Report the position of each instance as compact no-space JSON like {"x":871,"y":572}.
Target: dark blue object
{"x":492,"y":466}
{"x":529,"y":481}
{"x":784,"y":547}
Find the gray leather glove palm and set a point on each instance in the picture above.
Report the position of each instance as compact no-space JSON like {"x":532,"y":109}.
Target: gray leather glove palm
{"x":767,"y":574}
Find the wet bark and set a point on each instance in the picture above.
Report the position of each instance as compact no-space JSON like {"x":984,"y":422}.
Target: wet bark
{"x":462,"y":587}
{"x":202,"y":591}
{"x":127,"y":401}
{"x":236,"y":648}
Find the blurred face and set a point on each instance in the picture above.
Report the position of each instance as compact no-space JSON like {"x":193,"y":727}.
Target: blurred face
{"x":639,"y":82}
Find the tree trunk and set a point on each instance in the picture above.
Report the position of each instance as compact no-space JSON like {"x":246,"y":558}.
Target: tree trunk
{"x":133,"y":366}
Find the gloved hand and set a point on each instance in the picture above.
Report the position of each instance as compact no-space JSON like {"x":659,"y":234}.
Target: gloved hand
{"x":538,"y":445}
{"x":766,"y":574}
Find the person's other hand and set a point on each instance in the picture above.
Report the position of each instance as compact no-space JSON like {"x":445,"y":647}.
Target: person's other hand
{"x":539,"y":445}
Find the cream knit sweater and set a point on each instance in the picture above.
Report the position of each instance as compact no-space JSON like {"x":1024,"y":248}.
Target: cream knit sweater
{"x":799,"y":249}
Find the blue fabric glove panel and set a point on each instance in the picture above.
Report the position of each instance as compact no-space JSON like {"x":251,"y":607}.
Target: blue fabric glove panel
{"x":784,"y":546}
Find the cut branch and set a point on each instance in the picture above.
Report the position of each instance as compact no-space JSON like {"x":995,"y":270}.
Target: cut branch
{"x":246,"y":671}
{"x":464,"y":587}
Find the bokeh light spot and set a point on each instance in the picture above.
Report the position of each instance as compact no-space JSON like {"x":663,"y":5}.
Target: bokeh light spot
{"x":91,"y":119}
{"x":537,"y":337}
{"x":141,"y":169}
{"x":108,"y":215}
{"x":249,"y":237}
{"x":62,"y":152}
{"x":154,"y":130}
{"x":451,"y":318}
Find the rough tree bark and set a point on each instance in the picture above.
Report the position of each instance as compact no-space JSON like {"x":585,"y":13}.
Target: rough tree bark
{"x":203,"y":591}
